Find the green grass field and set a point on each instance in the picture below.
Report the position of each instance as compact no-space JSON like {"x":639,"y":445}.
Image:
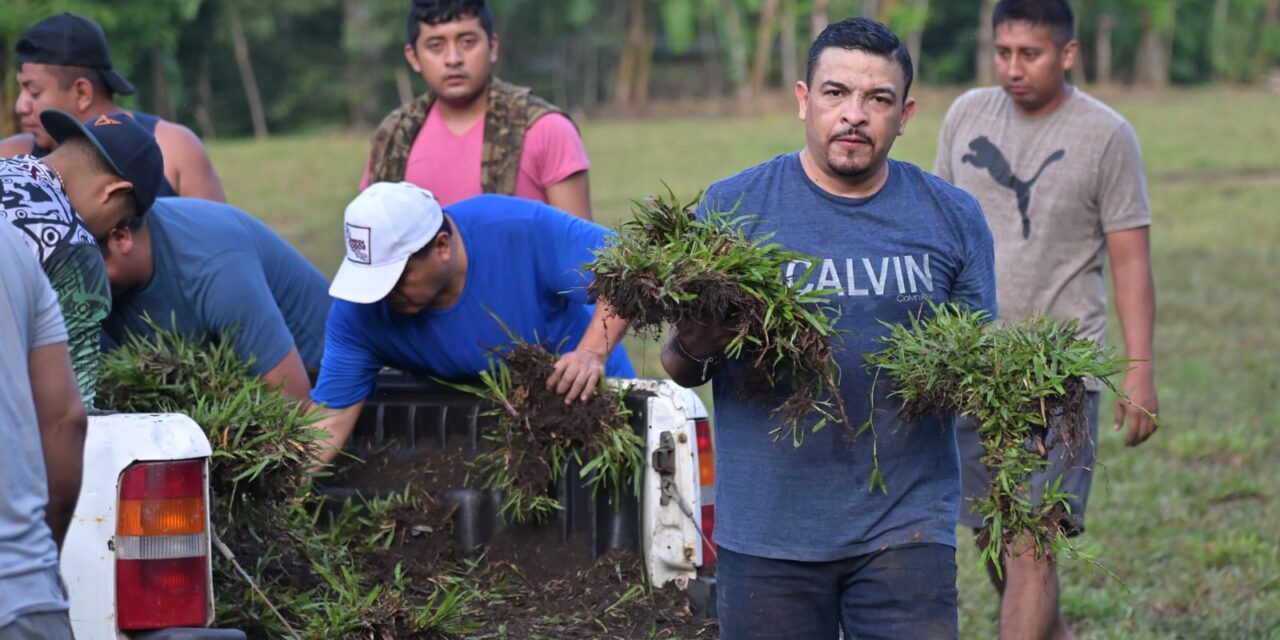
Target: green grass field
{"x":1190,"y":521}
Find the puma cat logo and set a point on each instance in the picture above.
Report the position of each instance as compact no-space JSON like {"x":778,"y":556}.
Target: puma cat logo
{"x":986,"y":155}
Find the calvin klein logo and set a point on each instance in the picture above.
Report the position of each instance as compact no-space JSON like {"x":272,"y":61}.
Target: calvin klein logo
{"x":987,"y":156}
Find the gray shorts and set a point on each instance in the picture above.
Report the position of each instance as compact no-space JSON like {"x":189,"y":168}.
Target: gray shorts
{"x":45,"y":625}
{"x":1076,"y":472}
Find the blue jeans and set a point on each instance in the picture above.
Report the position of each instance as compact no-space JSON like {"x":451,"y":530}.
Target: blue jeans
{"x":904,"y":592}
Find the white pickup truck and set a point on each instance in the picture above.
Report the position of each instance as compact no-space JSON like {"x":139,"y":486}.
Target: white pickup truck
{"x":137,"y":558}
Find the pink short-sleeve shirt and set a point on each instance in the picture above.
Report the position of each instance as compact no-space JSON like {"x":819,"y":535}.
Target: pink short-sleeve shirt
{"x":448,"y":164}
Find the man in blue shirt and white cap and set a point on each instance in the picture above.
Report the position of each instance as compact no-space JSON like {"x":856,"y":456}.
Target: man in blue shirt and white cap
{"x":436,"y":291}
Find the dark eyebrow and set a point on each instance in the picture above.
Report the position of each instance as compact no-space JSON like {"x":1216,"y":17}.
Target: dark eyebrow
{"x":832,"y":84}
{"x":881,"y":91}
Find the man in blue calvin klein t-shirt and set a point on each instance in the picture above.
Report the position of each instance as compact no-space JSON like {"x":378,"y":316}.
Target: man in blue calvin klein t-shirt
{"x":805,"y":549}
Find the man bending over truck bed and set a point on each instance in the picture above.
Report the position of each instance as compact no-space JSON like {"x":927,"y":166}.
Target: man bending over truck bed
{"x":427,"y":290}
{"x":212,"y":271}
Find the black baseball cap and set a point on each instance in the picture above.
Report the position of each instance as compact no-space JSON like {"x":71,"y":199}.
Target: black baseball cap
{"x":71,"y":41}
{"x":128,"y":147}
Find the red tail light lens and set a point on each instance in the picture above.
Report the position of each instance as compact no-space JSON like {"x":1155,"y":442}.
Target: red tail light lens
{"x":162,"y":546}
{"x":707,"y":478}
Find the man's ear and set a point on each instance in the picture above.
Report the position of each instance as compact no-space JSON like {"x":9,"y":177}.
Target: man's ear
{"x":411,"y":56}
{"x":117,"y":190}
{"x":120,"y":241}
{"x":802,"y":98}
{"x":116,"y":186}
{"x":1069,"y":53}
{"x":493,"y":49}
{"x":908,"y":110}
{"x":444,"y":244}
{"x":83,"y":93}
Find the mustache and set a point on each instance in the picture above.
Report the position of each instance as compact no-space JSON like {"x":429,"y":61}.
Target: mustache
{"x":853,"y":132}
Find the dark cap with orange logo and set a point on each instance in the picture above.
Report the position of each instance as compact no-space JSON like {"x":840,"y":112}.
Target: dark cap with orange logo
{"x":128,"y":147}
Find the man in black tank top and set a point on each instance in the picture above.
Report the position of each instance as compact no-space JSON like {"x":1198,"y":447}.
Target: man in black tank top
{"x":64,"y":63}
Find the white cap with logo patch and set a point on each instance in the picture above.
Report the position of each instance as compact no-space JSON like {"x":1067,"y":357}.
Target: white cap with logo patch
{"x":385,"y":225}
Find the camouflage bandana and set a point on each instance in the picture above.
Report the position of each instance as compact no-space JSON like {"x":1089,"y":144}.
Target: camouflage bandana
{"x":512,"y":110}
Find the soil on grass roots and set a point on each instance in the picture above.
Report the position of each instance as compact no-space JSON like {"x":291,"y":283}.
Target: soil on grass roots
{"x":538,"y":420}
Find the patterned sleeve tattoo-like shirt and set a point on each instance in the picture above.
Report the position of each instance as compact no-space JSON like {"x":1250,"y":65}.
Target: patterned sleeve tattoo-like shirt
{"x":33,"y":200}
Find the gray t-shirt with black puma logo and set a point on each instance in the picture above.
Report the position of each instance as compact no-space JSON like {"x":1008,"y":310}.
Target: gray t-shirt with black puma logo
{"x":1051,"y":187}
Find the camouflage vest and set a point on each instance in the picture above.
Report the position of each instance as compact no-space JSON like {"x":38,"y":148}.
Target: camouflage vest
{"x":512,"y":110}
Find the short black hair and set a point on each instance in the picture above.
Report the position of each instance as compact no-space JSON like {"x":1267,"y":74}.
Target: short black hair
{"x":425,"y":251}
{"x":862,"y":34}
{"x":93,"y":158}
{"x":433,"y":12}
{"x":66,"y":75}
{"x":1054,"y":14}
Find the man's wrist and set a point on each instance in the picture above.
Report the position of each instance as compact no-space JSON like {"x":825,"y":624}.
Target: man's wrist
{"x":599,"y":354}
{"x":683,"y":351}
{"x":1144,"y":365}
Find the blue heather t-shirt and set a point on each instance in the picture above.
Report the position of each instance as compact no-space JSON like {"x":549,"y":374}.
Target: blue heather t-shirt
{"x":524,"y":266}
{"x":216,"y":269}
{"x":917,"y":240}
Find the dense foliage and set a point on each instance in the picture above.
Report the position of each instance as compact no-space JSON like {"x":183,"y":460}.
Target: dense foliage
{"x":182,"y":54}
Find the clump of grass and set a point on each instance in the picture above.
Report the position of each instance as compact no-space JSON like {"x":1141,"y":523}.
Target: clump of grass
{"x":322,"y":566}
{"x":1024,"y":387}
{"x":667,"y":266}
{"x":537,"y":434}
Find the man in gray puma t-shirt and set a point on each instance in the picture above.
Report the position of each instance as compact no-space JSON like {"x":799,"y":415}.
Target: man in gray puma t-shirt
{"x":1060,"y":179}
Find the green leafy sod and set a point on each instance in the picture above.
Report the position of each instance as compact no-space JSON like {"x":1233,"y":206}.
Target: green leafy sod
{"x":1024,"y":387}
{"x":666,"y":266}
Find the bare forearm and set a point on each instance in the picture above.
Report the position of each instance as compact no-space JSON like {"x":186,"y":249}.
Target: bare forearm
{"x":605,"y":332}
{"x":1137,"y":312}
{"x":289,"y":377}
{"x":1135,"y":293}
{"x":64,"y":466}
{"x":62,"y":422}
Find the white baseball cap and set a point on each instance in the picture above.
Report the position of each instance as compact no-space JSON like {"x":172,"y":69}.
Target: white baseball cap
{"x":385,"y":225}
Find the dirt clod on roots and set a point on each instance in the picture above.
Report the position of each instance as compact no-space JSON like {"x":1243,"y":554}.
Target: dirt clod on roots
{"x":537,"y":419}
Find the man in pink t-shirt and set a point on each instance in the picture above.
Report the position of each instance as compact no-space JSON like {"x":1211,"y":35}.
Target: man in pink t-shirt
{"x":451,"y":44}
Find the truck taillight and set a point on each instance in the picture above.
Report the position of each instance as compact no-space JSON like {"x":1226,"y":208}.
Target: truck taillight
{"x":162,"y":546}
{"x":707,"y":478}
